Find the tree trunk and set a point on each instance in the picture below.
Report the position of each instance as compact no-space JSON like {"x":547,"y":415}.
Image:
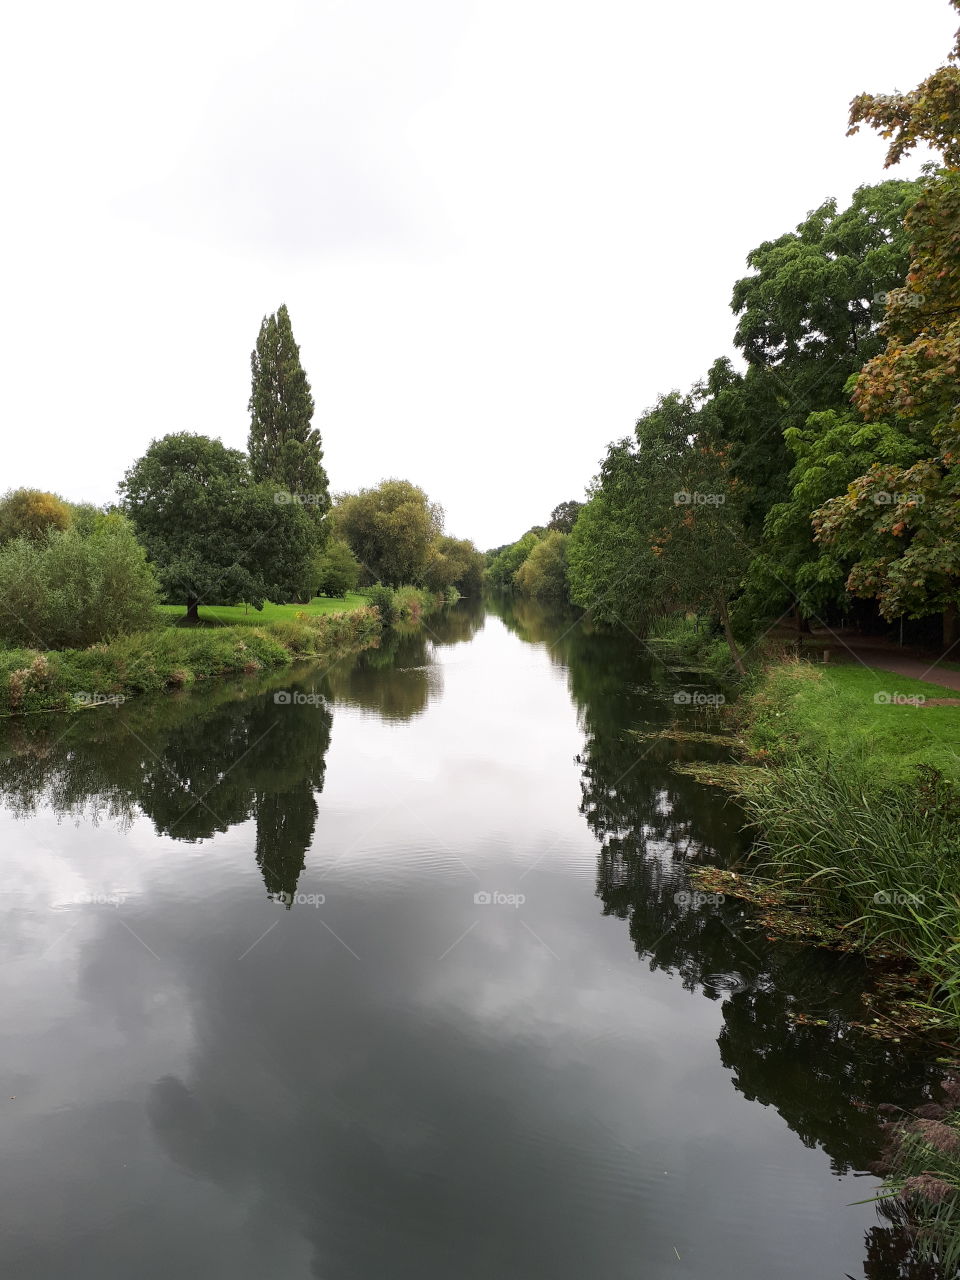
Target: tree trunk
{"x":731,"y":642}
{"x":192,"y":617}
{"x":950,"y":635}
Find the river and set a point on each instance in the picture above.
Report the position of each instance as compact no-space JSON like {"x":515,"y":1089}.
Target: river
{"x":393,"y":970}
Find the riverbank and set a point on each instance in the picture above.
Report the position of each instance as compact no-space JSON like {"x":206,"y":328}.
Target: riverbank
{"x":857,"y":804}
{"x":172,"y":658}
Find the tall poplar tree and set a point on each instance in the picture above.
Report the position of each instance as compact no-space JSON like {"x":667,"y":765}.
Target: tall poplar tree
{"x":284,"y":448}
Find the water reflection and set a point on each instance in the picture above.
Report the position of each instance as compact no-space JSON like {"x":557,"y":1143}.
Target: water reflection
{"x":204,"y":761}
{"x":398,"y":679}
{"x":491,"y":1104}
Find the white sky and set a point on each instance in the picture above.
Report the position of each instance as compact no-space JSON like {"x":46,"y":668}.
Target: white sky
{"x":502,"y":227}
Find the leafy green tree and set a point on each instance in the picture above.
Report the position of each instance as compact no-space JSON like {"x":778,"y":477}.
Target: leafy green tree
{"x":544,"y":572}
{"x":335,"y":570}
{"x":502,"y":569}
{"x":213,"y":535}
{"x":901,"y":524}
{"x":68,"y":591}
{"x":616,"y":559}
{"x":564,"y":516}
{"x":391,"y":529}
{"x":30,"y":513}
{"x":809,"y":316}
{"x":85,"y":517}
{"x":829,"y":451}
{"x":454,"y":562}
{"x":706,"y":548}
{"x":285,"y":449}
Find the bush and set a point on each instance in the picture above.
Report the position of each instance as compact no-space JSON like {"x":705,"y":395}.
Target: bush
{"x":31,"y":513}
{"x":70,"y":591}
{"x":336,"y":569}
{"x":381,"y":598}
{"x":544,"y":572}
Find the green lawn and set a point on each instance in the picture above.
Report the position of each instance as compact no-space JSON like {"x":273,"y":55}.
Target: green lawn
{"x":833,"y":711}
{"x":238,"y":614}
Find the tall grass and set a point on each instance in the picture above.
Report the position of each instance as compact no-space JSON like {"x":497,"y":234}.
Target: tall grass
{"x":882,"y":859}
{"x":921,"y":1165}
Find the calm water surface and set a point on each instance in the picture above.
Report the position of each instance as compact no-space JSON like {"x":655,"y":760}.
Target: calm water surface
{"x":393,"y":971}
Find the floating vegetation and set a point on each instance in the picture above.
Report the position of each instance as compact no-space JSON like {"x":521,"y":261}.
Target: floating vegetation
{"x":731,"y":777}
{"x":895,"y":1007}
{"x":674,"y":734}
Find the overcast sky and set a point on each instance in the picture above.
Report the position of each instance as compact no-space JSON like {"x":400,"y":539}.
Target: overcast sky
{"x":502,"y":227}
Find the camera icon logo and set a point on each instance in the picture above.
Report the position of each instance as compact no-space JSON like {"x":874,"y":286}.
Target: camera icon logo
{"x":282,"y":697}
{"x":482,"y":899}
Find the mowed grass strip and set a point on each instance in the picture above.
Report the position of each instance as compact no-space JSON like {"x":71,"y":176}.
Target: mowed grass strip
{"x":238,"y":615}
{"x":875,"y":723}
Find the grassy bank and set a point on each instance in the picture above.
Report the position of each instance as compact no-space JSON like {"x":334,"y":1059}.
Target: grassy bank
{"x":859,"y":805}
{"x":242,"y":615}
{"x":173,"y":657}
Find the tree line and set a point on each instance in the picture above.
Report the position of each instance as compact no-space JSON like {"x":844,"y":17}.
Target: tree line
{"x":201,"y":523}
{"x":820,"y":480}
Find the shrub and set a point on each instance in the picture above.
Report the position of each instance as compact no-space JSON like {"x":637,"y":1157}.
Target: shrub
{"x":69,"y":591}
{"x":31,"y":513}
{"x":381,"y":598}
{"x":544,"y":571}
{"x":336,"y":569}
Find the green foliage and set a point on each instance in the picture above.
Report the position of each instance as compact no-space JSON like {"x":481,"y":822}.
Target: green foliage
{"x":213,"y":534}
{"x":809,"y":315}
{"x":544,"y":572}
{"x":502,"y":569}
{"x":85,"y":517}
{"x":335,"y":570}
{"x":391,"y":529}
{"x":30,"y":513}
{"x":68,"y":590}
{"x":906,"y":555}
{"x":664,"y":529}
{"x":929,"y":114}
{"x":285,"y":449}
{"x":564,"y":516}
{"x":829,"y":452}
{"x":381,"y":599}
{"x":456,"y":563}
{"x":899,"y":524}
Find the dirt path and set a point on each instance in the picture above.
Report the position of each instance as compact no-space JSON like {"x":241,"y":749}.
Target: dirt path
{"x":875,"y":651}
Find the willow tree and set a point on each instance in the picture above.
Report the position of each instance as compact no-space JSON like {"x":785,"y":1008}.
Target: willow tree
{"x":285,"y":449}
